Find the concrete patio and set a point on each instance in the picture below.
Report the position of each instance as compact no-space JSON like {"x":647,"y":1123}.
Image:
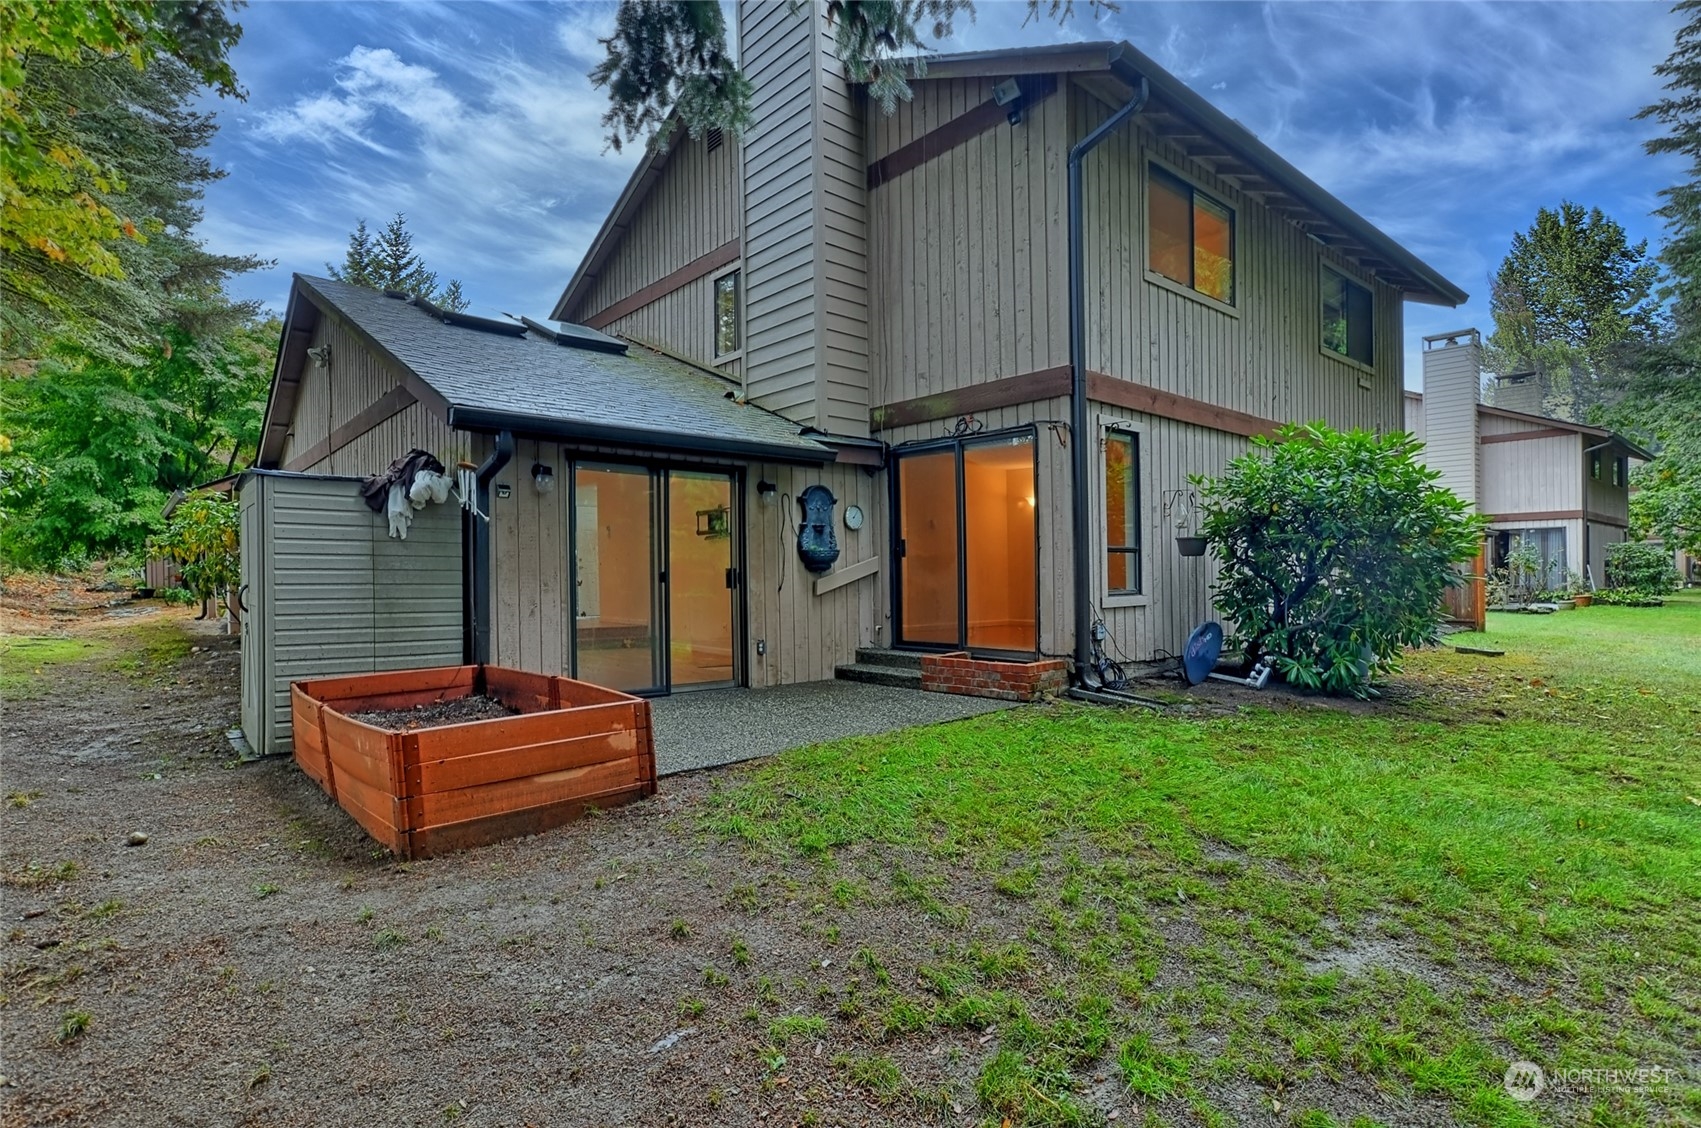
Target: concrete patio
{"x":708,"y":728}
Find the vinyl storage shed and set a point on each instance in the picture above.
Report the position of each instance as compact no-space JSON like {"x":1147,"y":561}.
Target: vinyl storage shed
{"x":326,"y":591}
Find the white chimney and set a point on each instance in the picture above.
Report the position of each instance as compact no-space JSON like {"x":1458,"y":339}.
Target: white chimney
{"x":1452,"y":375}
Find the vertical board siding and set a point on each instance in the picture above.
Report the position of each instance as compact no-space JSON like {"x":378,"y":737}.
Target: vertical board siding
{"x":1532,"y":475}
{"x":806,"y":223}
{"x":693,"y":208}
{"x":1451,"y":421}
{"x":969,"y":249}
{"x":335,"y":595}
{"x":1266,"y":357}
{"x":332,"y":396}
{"x":777,"y":51}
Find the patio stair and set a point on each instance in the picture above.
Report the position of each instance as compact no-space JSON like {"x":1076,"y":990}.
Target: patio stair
{"x":898,"y":668}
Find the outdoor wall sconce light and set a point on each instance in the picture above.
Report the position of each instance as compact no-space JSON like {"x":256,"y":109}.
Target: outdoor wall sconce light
{"x":766,"y":492}
{"x":543,"y":477}
{"x":321,"y":356}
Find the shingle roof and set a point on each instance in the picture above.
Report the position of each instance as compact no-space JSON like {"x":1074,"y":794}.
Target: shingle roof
{"x":526,"y":383}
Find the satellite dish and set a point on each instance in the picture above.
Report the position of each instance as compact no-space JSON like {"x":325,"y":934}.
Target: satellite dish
{"x":1199,"y":657}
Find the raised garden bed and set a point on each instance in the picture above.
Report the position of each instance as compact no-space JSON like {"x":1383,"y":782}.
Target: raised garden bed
{"x":438,"y":787}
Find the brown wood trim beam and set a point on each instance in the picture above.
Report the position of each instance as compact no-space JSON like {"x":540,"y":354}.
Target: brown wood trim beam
{"x":1050,"y":383}
{"x":1603,"y":519}
{"x":724,"y":255}
{"x":1152,"y":401}
{"x":960,"y":129}
{"x":392,"y":402}
{"x":1539,"y":433}
{"x":1047,"y":383}
{"x":1541,"y":515}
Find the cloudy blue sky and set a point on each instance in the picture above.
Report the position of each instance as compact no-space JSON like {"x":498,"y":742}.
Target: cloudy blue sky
{"x":1447,"y":124}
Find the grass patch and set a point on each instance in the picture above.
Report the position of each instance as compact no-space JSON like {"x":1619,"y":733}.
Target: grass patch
{"x":1402,"y":895}
{"x":27,"y":662}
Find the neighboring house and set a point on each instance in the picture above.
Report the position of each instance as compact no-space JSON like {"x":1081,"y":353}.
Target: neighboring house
{"x":1562,"y":487}
{"x":889,"y":296}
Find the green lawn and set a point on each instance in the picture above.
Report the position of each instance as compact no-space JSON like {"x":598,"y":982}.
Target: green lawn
{"x":1306,"y":903}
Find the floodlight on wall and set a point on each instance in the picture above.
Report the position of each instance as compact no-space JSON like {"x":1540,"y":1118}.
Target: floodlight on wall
{"x":543,"y":477}
{"x":1008,"y":95}
{"x":321,"y":356}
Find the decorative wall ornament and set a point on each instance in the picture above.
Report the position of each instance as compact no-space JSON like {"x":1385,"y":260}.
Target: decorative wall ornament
{"x":817,"y":547}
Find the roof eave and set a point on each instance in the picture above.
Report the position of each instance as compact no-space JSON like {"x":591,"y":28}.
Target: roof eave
{"x":469,"y":418}
{"x":1129,"y":65}
{"x":613,"y":227}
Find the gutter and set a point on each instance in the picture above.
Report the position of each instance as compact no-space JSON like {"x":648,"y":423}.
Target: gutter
{"x":1588,"y":555}
{"x":541,"y":426}
{"x":1080,"y":470}
{"x":480,"y":562}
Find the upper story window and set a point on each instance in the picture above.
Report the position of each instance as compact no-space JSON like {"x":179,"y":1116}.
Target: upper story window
{"x":1595,"y":466}
{"x":1190,"y":236}
{"x":1619,"y":466}
{"x":1348,"y":318}
{"x":726,"y":314}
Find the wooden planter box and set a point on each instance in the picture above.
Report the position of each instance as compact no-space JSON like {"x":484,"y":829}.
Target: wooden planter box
{"x":432,"y":790}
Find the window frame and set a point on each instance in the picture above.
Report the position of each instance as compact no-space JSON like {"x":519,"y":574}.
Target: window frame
{"x":735,"y":272}
{"x":1101,"y":546}
{"x":1164,"y":281}
{"x":1368,"y":369}
{"x":1620,"y":470}
{"x":1595,"y":461}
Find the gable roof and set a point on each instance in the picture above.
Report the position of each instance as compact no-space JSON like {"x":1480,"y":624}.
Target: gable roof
{"x":1602,"y":435}
{"x":1175,"y":111}
{"x":1234,"y":153}
{"x":483,"y":375}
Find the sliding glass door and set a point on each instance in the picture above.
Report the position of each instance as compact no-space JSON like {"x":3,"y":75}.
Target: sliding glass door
{"x":655,"y":577}
{"x":967,"y":550}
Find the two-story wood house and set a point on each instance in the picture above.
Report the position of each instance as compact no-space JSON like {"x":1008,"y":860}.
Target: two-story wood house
{"x":1561,"y":487}
{"x":1004,"y":323}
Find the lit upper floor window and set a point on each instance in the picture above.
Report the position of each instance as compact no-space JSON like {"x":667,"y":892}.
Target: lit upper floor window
{"x":1190,"y":236}
{"x":1347,"y":318}
{"x":726,"y":314}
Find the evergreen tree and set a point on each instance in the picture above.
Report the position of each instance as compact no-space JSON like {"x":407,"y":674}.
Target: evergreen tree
{"x":671,"y":55}
{"x":1571,"y":300}
{"x":388,"y":261}
{"x":128,"y":268}
{"x":1663,"y":391}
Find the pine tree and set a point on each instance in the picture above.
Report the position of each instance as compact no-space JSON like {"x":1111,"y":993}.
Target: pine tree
{"x":357,"y":268}
{"x":388,"y":261}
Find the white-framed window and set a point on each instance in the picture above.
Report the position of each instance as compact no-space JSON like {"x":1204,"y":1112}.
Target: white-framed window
{"x":1189,"y":236}
{"x":1348,"y":317}
{"x":1124,"y":559}
{"x":728,"y":299}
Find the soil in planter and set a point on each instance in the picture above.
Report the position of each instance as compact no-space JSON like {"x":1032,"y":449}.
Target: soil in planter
{"x":453,"y":711}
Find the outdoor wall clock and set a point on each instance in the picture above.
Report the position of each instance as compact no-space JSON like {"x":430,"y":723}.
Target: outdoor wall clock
{"x":853,"y":517}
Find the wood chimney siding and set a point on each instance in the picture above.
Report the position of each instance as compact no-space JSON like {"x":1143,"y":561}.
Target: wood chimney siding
{"x":805,"y":223}
{"x":1451,"y":379}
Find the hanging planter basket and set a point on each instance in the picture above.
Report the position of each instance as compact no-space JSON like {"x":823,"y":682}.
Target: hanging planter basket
{"x":1190,"y":546}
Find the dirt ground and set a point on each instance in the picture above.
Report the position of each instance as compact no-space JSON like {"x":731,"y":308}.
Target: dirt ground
{"x":258,"y":961}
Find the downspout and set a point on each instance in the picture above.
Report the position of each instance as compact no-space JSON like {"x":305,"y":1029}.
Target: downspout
{"x":1588,"y":556}
{"x":499,"y":456}
{"x":1081,"y":471}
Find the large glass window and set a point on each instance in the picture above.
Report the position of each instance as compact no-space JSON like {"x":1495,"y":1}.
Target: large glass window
{"x":1347,"y":318}
{"x":1190,"y":236}
{"x":1122,"y":512}
{"x":726,"y":314}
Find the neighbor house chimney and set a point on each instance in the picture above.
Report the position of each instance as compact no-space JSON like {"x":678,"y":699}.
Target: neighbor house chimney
{"x":1452,"y":375}
{"x":1519,"y":391}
